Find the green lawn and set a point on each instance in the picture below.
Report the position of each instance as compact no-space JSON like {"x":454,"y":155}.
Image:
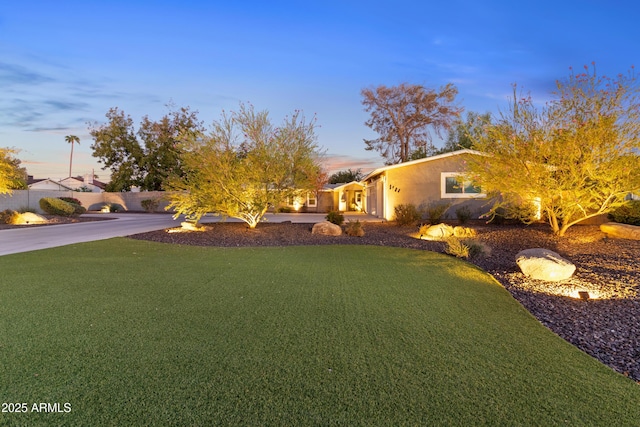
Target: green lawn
{"x":138,"y":333}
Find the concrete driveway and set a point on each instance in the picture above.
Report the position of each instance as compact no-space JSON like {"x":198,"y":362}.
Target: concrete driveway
{"x":31,"y":239}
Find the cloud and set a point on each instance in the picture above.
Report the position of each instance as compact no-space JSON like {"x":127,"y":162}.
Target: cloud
{"x":66,"y":105}
{"x":16,"y":74}
{"x":338,"y":162}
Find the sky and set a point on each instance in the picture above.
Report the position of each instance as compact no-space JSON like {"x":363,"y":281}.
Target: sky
{"x":63,"y":64}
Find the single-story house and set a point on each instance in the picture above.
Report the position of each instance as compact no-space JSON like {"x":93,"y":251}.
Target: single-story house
{"x":432,"y":180}
{"x":79,"y":183}
{"x":345,"y":197}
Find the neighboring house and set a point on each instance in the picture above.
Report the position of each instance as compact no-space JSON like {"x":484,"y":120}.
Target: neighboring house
{"x":432,"y":180}
{"x":79,"y":183}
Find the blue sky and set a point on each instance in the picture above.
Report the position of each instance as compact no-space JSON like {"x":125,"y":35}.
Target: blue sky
{"x":65,"y":63}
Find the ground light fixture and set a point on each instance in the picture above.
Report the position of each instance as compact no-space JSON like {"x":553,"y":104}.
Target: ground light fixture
{"x":584,"y":295}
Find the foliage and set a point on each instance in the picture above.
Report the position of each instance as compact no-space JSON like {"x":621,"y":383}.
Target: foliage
{"x":71,"y":200}
{"x":435,"y":211}
{"x":404,"y":117}
{"x":55,"y":206}
{"x":285,"y":209}
{"x":9,"y":216}
{"x":12,"y":175}
{"x":463,"y":214}
{"x":246,"y":165}
{"x":114,"y":207}
{"x":335,"y":217}
{"x":456,"y":248}
{"x":116,"y":147}
{"x":149,"y":161}
{"x":346,"y":176}
{"x":463,"y":133}
{"x":354,"y":228}
{"x":150,"y":205}
{"x":406,"y":214}
{"x":628,"y":213}
{"x":577,"y":156}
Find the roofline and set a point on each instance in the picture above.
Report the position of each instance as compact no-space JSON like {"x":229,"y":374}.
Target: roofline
{"x":378,"y":171}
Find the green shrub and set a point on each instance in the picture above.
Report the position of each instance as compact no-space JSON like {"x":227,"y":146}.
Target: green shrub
{"x":476,"y":248}
{"x":354,"y":228}
{"x":55,"y":206}
{"x":463,"y":214}
{"x":629,"y":213}
{"x":112,"y":207}
{"x":284,"y":209}
{"x":9,"y":216}
{"x":407,"y":214}
{"x":435,"y":211}
{"x":71,"y":200}
{"x":457,"y":248}
{"x":335,"y":217}
{"x":150,"y":205}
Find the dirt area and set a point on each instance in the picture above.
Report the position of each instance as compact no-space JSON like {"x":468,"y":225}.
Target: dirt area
{"x":608,"y":328}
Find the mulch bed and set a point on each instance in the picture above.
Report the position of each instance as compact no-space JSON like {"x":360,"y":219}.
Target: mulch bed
{"x":607,"y":328}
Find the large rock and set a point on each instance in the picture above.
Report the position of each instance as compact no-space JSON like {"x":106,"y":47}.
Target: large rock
{"x":438,"y":232}
{"x":621,"y":231}
{"x":543,"y":264}
{"x":326,"y":228}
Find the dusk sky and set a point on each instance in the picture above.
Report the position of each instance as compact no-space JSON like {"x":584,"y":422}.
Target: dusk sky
{"x":65,"y":63}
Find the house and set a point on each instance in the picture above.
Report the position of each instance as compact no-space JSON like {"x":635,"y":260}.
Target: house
{"x":79,"y":183}
{"x":432,"y":180}
{"x":345,"y":197}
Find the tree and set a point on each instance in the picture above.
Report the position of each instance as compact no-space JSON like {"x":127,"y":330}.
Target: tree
{"x":71,"y":139}
{"x":576,"y":158}
{"x":404,"y":117}
{"x":162,"y":152}
{"x":245,"y":165}
{"x":346,"y":176}
{"x":12,"y":175}
{"x":146,"y":162}
{"x":463,"y":133}
{"x":116,"y":147}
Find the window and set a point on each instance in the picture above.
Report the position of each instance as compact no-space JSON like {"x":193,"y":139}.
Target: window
{"x":312,"y":202}
{"x":453,"y":185}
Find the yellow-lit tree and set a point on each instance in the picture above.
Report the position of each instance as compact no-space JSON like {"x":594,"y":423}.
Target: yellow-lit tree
{"x":245,"y":165}
{"x":575,"y":158}
{"x":12,"y":176}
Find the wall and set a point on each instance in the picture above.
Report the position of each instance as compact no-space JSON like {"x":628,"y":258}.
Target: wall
{"x":30,"y":199}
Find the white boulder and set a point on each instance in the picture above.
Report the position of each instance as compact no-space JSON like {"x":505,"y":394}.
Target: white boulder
{"x":326,"y":228}
{"x":544,"y":264}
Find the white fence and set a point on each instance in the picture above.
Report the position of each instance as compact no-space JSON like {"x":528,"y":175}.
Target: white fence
{"x":30,"y":199}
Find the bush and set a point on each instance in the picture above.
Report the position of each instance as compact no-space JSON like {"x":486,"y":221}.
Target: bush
{"x":71,"y":200}
{"x":111,"y":207}
{"x":284,"y":209}
{"x":463,"y":214}
{"x":457,"y":248}
{"x":335,"y":217}
{"x":354,"y":228}
{"x":435,"y":211}
{"x":407,"y":214}
{"x":150,"y":205}
{"x":629,"y":213}
{"x":9,"y":216}
{"x":55,"y":206}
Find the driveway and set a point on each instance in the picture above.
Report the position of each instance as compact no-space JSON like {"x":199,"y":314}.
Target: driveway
{"x":31,"y":239}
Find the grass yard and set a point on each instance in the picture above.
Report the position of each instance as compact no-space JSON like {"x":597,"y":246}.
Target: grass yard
{"x":138,"y":333}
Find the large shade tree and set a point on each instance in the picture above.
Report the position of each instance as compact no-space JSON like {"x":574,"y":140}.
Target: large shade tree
{"x":245,"y":165}
{"x":575,"y":158}
{"x":405,"y":116}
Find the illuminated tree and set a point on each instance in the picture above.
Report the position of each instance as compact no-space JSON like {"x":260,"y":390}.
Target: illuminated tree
{"x":245,"y":165}
{"x":12,"y":176}
{"x":575,"y":158}
{"x":404,"y":116}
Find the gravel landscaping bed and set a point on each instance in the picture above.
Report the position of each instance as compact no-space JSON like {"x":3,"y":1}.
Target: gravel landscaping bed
{"x":608,"y":328}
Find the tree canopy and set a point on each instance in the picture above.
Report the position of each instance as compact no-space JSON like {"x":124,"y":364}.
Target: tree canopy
{"x":346,"y":176}
{"x":405,"y":116}
{"x":145,"y":158}
{"x":12,"y":175}
{"x":575,"y":158}
{"x":245,"y":165}
{"x":463,"y":132}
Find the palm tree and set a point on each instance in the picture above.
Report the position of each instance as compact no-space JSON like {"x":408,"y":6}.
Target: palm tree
{"x":71,"y":139}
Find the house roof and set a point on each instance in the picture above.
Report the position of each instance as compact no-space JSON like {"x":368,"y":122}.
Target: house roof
{"x":341,"y":185}
{"x":42,"y":181}
{"x":415,"y":162}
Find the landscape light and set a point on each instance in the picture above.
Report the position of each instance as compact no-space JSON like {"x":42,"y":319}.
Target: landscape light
{"x":584,"y":295}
